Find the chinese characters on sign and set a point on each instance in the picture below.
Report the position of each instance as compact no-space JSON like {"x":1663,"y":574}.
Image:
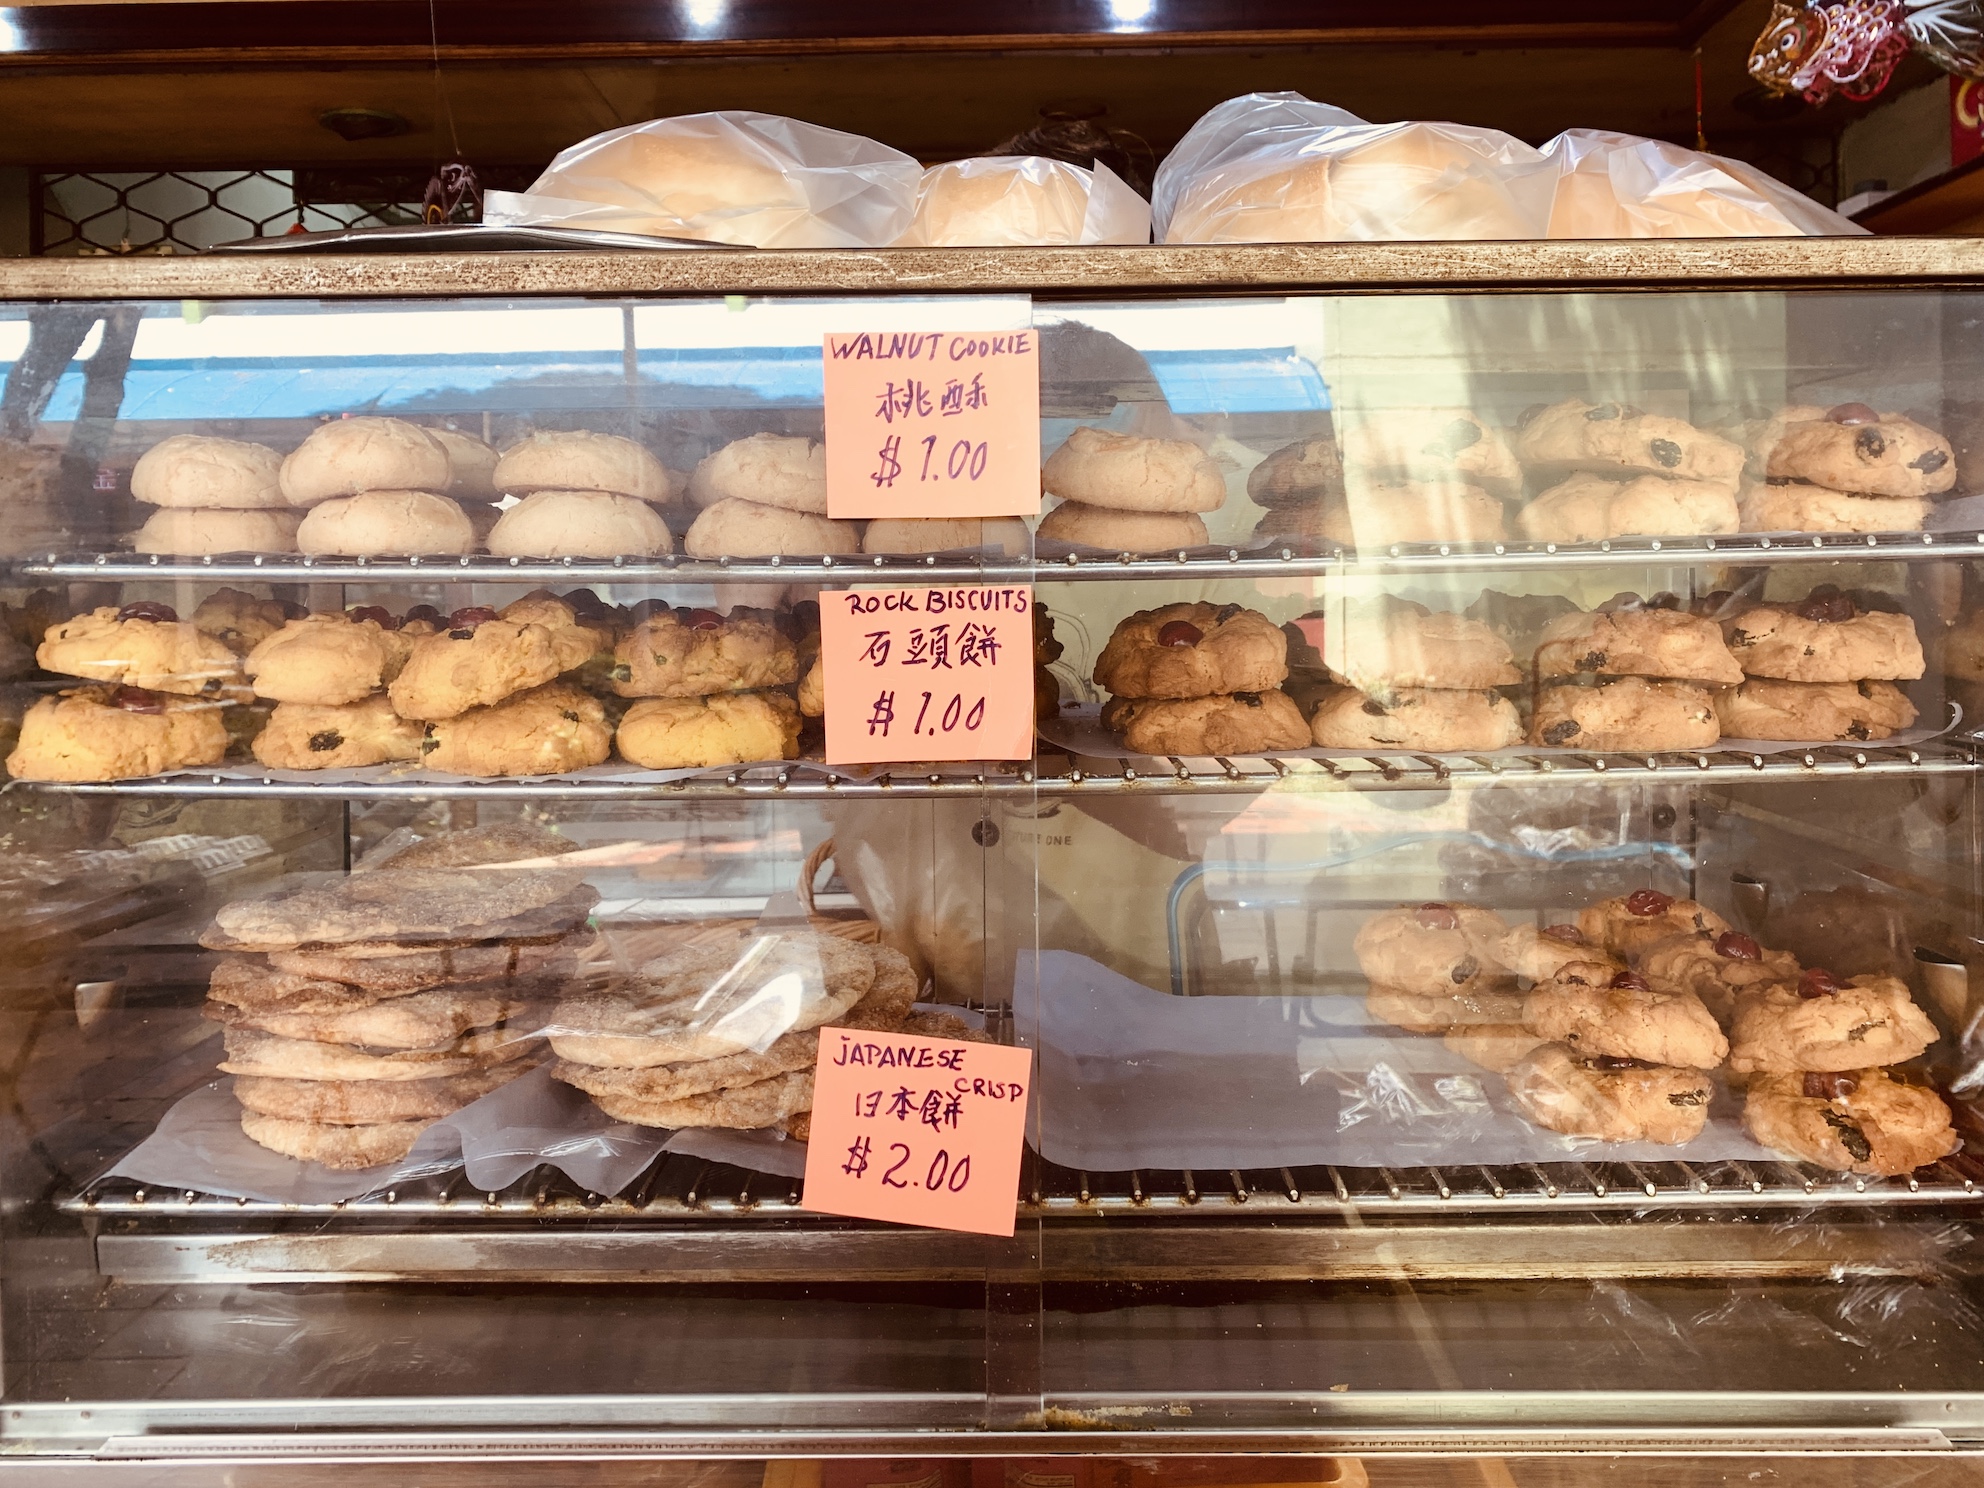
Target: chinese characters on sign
{"x":917,"y":1130}
{"x":928,"y":674}
{"x":933,"y":424}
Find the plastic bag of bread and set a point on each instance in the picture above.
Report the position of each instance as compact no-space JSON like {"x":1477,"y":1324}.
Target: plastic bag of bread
{"x":999,"y":201}
{"x":1621,"y":186}
{"x":1280,"y":168}
{"x":757,"y":180}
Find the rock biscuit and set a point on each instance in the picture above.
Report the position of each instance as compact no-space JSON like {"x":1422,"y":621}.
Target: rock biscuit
{"x":1718,"y":967}
{"x":1297,"y":475}
{"x":1192,"y":650}
{"x":1234,"y":723}
{"x":693,"y":653}
{"x":238,"y":620}
{"x":1438,"y":721}
{"x":546,"y":730}
{"x":1433,"y":950}
{"x":142,"y":645}
{"x":1610,"y":1100}
{"x":1764,"y":708}
{"x":1629,"y":923}
{"x":1858,"y":1121}
{"x":1826,"y":637}
{"x":1380,"y":646}
{"x":1632,"y":713}
{"x":1585,"y":507}
{"x":1538,"y":953}
{"x":327,"y":659}
{"x":1637,"y":641}
{"x":1821,"y":1022}
{"x":1620,"y":439}
{"x":306,"y":736}
{"x":1853,"y":448}
{"x":575,"y":641}
{"x":1436,"y":1012}
{"x":471,"y":665}
{"x":1122,"y":472}
{"x":1493,"y":1046}
{"x":1430,"y":443}
{"x":1795,"y":506}
{"x":1376,"y":514}
{"x":726,"y":728}
{"x":116,"y":733}
{"x":1620,"y":1015}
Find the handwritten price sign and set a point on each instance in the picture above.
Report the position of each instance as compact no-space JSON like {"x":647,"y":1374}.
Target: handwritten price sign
{"x":918,"y":1131}
{"x":928,"y":674}
{"x":933,"y":424}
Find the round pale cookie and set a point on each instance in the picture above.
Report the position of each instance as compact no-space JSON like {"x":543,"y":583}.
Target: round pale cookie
{"x":1630,"y":923}
{"x":1823,"y":1022}
{"x":1610,"y":1100}
{"x":547,"y":730}
{"x":1384,"y":644}
{"x":1794,"y":506}
{"x":1440,"y":721}
{"x":1637,"y":642}
{"x":693,"y":653}
{"x":327,"y":660}
{"x":580,"y":460}
{"x":1496,"y":1047}
{"x":1083,"y":526}
{"x":579,"y":524}
{"x":249,"y":1052}
{"x":1632,"y":714}
{"x":1377,"y":514}
{"x":1297,"y":475}
{"x":191,"y":470}
{"x":729,"y":728}
{"x":1623,"y":440}
{"x":1857,"y":1121}
{"x":1006,"y":535}
{"x":1819,"y":712}
{"x":1431,"y":443}
{"x":85,"y":735}
{"x":1122,"y":472}
{"x":202,"y":532}
{"x":1585,"y":507}
{"x":1433,"y":950}
{"x":471,"y":466}
{"x":733,"y":528}
{"x":369,"y":1102}
{"x":1718,"y":967}
{"x":345,"y":1149}
{"x":310,"y":736}
{"x":1853,"y":448}
{"x":386,"y":523}
{"x":1593,"y":1010}
{"x":787,"y":471}
{"x":347,"y":457}
{"x":1827,"y":637}
{"x":1436,"y":1012}
{"x":1194,"y":649}
{"x":745,"y":1107}
{"x":472,"y":666}
{"x":1538,"y":953}
{"x":239,"y":620}
{"x":1228,"y":723}
{"x":142,"y":645}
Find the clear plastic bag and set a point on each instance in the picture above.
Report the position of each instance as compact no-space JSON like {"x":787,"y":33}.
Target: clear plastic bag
{"x":757,"y":180}
{"x":1024,"y":200}
{"x":1278,"y":167}
{"x":1621,"y":186}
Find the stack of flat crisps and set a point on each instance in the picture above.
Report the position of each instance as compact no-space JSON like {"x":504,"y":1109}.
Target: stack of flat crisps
{"x":726,"y":1032}
{"x":359,"y":1013}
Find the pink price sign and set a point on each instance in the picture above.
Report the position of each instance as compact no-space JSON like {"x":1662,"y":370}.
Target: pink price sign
{"x":933,"y":424}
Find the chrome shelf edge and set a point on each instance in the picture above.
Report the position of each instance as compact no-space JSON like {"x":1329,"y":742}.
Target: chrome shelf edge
{"x":1234,"y":562}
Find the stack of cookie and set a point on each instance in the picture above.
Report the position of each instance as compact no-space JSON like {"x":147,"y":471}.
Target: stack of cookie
{"x":726,"y":1032}
{"x":765,"y":497}
{"x":212,"y":496}
{"x":1612,"y":470}
{"x":584,"y":495}
{"x":359,"y":1013}
{"x":1822,"y":669}
{"x":1414,"y":678}
{"x":710,"y":688}
{"x":373,"y":487}
{"x":1123,"y":494}
{"x":161,"y":688}
{"x":1199,"y":679}
{"x":1843,"y":469}
{"x":1630,"y":675}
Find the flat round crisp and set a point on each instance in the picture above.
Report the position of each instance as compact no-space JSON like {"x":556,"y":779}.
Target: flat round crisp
{"x":368,"y":1102}
{"x":346,"y":1149}
{"x":474,"y":847}
{"x":746,"y":1107}
{"x":253,"y":1053}
{"x":453,"y":902}
{"x":419,"y":1020}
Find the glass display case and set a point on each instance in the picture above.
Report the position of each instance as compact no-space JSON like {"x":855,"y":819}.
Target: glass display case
{"x":1494,"y":900}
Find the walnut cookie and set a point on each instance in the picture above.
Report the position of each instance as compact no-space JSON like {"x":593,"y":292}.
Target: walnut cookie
{"x":1192,"y":650}
{"x":1821,"y":1022}
{"x":1608,"y":1099}
{"x":1620,"y":1015}
{"x":1853,"y":1121}
{"x":1434,"y":950}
